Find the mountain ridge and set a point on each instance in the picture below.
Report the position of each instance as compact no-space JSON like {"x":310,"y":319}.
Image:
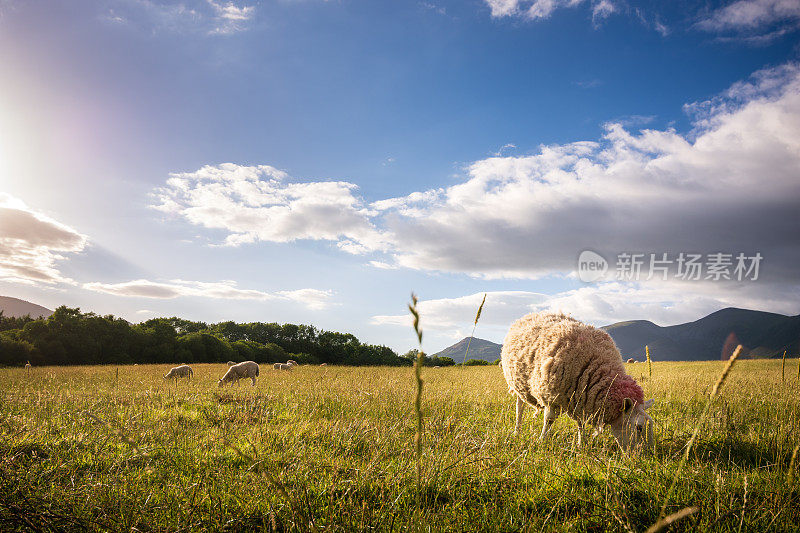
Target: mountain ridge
{"x":761,"y":333}
{"x":15,"y":307}
{"x":478,"y":349}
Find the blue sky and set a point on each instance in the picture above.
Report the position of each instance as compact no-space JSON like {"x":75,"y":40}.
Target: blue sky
{"x":315,"y":162}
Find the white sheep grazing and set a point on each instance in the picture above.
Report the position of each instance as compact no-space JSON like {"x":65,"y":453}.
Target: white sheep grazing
{"x":247,"y":369}
{"x":182,"y":371}
{"x":231,"y":363}
{"x":282,"y":366}
{"x":292,"y":362}
{"x":555,"y":362}
{"x":631,"y":360}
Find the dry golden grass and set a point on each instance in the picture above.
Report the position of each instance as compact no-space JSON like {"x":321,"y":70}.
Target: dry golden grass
{"x":332,"y":448}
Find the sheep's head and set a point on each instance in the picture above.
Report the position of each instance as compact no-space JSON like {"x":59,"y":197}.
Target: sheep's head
{"x":634,"y":428}
{"x":220,"y":383}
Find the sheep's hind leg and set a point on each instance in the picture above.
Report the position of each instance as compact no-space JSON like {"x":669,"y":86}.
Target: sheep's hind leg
{"x":520,"y":410}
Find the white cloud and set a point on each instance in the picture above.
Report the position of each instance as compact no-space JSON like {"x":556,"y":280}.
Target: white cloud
{"x":602,"y":9}
{"x":665,"y":303}
{"x":383,"y":265}
{"x":227,"y":290}
{"x":311,"y":298}
{"x":507,"y":146}
{"x":503,"y":8}
{"x":259,"y":204}
{"x":752,"y":15}
{"x":32,"y":243}
{"x":500,"y":309}
{"x":433,"y":7}
{"x":230,"y":18}
{"x":733,"y":185}
{"x":730,"y":185}
{"x":189,"y":16}
{"x":542,"y":9}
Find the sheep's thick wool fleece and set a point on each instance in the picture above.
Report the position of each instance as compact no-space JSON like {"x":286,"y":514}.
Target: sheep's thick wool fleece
{"x":552,"y":359}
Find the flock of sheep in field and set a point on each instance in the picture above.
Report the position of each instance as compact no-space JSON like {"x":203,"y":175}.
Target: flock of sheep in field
{"x":553,"y":362}
{"x":236,"y":371}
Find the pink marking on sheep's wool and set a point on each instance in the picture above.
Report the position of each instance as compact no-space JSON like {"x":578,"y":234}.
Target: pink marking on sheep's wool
{"x":623,"y":387}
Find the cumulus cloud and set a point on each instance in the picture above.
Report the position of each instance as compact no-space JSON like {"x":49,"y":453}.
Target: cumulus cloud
{"x":542,"y":9}
{"x":752,"y":15}
{"x":31,"y":244}
{"x":258,"y":203}
{"x":228,"y":290}
{"x":730,"y":185}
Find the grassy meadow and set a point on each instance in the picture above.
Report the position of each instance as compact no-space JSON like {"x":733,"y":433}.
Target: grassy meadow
{"x":332,"y":449}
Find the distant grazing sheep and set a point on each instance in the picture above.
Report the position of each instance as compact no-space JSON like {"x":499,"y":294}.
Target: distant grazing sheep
{"x":27,"y":365}
{"x":324,"y":364}
{"x":555,"y":362}
{"x":631,"y":360}
{"x":282,"y":366}
{"x":292,"y":362}
{"x":183,"y":371}
{"x":231,"y":363}
{"x":247,"y":369}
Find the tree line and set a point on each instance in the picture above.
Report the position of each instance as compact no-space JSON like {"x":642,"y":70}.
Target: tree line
{"x":69,"y":337}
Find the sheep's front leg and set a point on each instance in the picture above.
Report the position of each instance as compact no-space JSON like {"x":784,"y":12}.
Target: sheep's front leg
{"x":520,"y":410}
{"x":549,"y":416}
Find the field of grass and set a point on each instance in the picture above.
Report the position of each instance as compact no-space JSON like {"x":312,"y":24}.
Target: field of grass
{"x":332,"y":449}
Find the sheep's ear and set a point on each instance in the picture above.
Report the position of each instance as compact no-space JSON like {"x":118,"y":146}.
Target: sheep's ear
{"x":627,"y":404}
{"x":649,"y":403}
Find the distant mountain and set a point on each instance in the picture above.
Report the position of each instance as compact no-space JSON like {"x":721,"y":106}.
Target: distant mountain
{"x":16,"y":307}
{"x":478,"y":349}
{"x":762,"y":335}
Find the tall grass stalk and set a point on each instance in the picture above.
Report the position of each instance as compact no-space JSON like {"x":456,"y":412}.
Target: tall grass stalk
{"x":790,"y":475}
{"x":474,"y":325}
{"x":649,"y":363}
{"x":714,"y":392}
{"x":671,"y":519}
{"x":783,"y":367}
{"x":418,"y":400}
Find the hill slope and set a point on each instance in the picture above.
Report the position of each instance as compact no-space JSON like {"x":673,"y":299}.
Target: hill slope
{"x":762,"y":334}
{"x":16,"y":307}
{"x":478,"y":349}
